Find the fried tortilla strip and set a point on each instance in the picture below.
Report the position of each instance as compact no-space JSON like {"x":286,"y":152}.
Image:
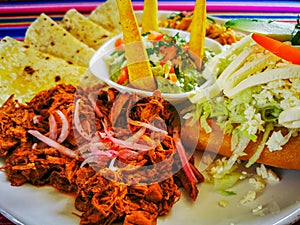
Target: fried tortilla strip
{"x":140,"y":74}
{"x":84,"y":29}
{"x":47,"y":36}
{"x":198,"y":31}
{"x":150,"y":16}
{"x":24,"y":71}
{"x":106,"y":16}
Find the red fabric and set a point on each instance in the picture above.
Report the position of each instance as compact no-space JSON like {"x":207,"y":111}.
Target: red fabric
{"x":4,"y":221}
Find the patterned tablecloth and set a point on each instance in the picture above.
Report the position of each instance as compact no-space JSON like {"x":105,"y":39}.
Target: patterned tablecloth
{"x":15,"y":16}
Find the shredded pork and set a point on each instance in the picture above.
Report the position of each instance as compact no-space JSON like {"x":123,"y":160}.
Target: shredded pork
{"x":119,"y":157}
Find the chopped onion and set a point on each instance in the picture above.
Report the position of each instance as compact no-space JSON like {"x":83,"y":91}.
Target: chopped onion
{"x":64,"y":133}
{"x":78,"y":124}
{"x":62,"y":149}
{"x":52,"y":127}
{"x":36,"y":119}
{"x":147,"y":125}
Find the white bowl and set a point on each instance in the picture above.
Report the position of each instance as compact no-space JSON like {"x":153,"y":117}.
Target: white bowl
{"x":99,"y":68}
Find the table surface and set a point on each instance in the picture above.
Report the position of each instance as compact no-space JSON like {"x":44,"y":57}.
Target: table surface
{"x":15,"y":16}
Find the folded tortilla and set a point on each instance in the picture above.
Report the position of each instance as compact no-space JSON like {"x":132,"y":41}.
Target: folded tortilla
{"x":47,"y":36}
{"x":24,"y":71}
{"x":106,"y":15}
{"x":85,"y":30}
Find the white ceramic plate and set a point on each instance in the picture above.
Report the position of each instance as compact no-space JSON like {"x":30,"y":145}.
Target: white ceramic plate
{"x":30,"y":205}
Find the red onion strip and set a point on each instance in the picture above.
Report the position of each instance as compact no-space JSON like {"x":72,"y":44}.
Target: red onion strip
{"x":93,"y":160}
{"x":111,"y":165}
{"x":64,"y":133}
{"x":94,"y":104}
{"x":126,"y":144}
{"x":77,"y":122}
{"x":186,"y":165}
{"x":126,"y":153}
{"x":147,"y":125}
{"x":62,"y":149}
{"x":52,"y":127}
{"x":135,"y":137}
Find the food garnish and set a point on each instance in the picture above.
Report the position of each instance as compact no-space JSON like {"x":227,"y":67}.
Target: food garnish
{"x":198,"y":32}
{"x":278,"y":30}
{"x":172,"y":66}
{"x":253,"y":87}
{"x":296,"y":33}
{"x":216,"y":31}
{"x":280,"y":49}
{"x":139,"y":71}
{"x":150,"y":16}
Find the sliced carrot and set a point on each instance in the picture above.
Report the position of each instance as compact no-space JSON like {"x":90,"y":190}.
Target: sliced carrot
{"x":123,"y":76}
{"x":155,"y":36}
{"x":119,"y":42}
{"x":278,"y":48}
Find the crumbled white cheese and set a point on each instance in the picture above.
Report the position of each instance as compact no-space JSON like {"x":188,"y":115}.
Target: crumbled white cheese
{"x":254,"y":121}
{"x":258,"y":210}
{"x":243,"y":175}
{"x":249,"y":197}
{"x":223,"y":203}
{"x":258,"y":183}
{"x":267,"y":174}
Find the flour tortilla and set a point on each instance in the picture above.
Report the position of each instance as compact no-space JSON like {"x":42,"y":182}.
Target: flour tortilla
{"x":107,"y":15}
{"x":25,"y":71}
{"x":85,"y":30}
{"x":47,"y":36}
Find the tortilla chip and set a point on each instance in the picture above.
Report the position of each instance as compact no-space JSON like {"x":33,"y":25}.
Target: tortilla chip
{"x":150,"y":16}
{"x":106,"y":15}
{"x":24,"y":70}
{"x":47,"y":36}
{"x":139,"y":68}
{"x":84,"y":29}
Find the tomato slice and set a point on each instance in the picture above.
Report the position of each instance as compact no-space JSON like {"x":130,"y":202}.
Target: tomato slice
{"x":119,"y":44}
{"x":155,"y":36}
{"x":123,"y":76}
